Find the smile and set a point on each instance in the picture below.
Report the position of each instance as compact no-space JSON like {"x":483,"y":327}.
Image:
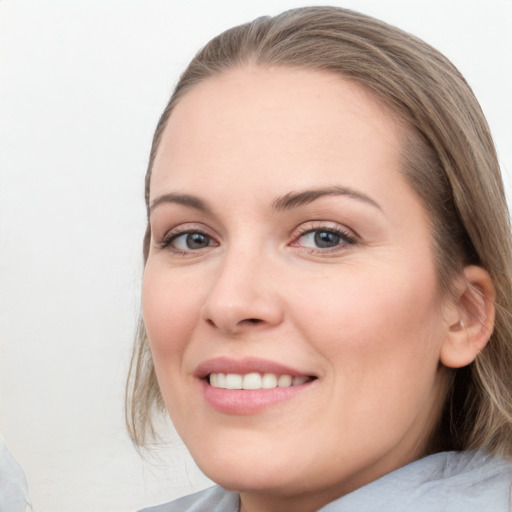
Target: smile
{"x":255,"y":380}
{"x":250,"y":385}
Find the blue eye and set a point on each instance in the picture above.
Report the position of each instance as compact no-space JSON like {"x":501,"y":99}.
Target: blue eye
{"x":324,"y":239}
{"x":189,"y":241}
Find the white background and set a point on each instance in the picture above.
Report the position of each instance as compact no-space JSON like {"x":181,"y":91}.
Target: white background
{"x":82,"y":85}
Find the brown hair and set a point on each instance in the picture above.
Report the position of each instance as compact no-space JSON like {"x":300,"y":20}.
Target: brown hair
{"x":448,"y":157}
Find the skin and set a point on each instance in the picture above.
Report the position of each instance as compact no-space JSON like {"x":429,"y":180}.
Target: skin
{"x":364,"y":316}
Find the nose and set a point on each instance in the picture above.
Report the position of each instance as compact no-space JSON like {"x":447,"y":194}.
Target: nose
{"x":243,"y":295}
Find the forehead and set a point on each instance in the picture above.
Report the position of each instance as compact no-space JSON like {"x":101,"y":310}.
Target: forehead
{"x":260,"y":120}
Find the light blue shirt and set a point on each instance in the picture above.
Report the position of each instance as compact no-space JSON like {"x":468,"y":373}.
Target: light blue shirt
{"x":13,"y":485}
{"x":444,"y":482}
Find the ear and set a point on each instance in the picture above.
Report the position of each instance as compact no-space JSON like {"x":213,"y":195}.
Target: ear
{"x":471,"y":318}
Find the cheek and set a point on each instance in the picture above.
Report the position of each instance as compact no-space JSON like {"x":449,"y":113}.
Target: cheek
{"x":171,"y":307}
{"x":368,"y":317}
{"x":380,"y":338}
{"x":170,"y":310}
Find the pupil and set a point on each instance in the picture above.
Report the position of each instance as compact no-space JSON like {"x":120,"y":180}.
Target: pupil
{"x":325,"y":239}
{"x":197,"y":241}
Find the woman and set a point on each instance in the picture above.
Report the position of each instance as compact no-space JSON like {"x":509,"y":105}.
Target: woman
{"x":326,"y":295}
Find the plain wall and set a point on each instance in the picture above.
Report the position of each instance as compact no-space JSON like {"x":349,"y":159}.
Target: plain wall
{"x":82,"y":85}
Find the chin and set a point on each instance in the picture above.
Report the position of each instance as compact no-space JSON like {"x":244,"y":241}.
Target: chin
{"x":240,"y":471}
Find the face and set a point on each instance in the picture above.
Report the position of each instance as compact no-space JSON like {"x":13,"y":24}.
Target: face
{"x":290,"y":294}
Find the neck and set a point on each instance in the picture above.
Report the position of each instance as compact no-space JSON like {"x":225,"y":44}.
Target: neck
{"x":305,"y":503}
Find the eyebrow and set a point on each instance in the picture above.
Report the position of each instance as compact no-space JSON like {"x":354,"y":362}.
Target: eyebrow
{"x":286,"y":202}
{"x":296,"y":199}
{"x":183,"y":199}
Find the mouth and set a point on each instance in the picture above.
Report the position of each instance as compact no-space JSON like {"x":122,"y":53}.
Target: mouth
{"x":255,"y":380}
{"x":250,"y":385}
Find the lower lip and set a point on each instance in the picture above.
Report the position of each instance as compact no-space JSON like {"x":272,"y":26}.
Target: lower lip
{"x":250,"y":401}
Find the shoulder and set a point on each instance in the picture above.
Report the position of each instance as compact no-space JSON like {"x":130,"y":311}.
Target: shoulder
{"x":474,"y":474}
{"x":444,"y":482}
{"x":214,"y":499}
{"x":470,"y":481}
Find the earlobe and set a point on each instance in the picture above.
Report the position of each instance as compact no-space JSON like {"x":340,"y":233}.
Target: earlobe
{"x":472,"y":323}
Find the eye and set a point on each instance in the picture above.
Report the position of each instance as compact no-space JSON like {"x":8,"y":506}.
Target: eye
{"x":324,"y":238}
{"x":188,"y":241}
{"x":321,"y":239}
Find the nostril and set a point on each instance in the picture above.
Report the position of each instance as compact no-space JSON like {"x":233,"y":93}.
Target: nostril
{"x":245,"y":321}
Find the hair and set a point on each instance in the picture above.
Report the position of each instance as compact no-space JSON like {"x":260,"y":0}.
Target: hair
{"x":449,"y":160}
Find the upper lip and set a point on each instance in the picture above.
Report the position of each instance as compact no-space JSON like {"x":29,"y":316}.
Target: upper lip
{"x":244,"y":366}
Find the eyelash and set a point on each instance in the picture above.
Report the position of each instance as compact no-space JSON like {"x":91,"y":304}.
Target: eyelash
{"x":169,"y":238}
{"x":346,"y":239}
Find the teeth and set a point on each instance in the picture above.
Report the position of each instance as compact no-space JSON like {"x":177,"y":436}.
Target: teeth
{"x":234,"y":381}
{"x":254,"y":380}
{"x":297,"y":381}
{"x":214,"y":380}
{"x":284,"y":381}
{"x":269,"y":381}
